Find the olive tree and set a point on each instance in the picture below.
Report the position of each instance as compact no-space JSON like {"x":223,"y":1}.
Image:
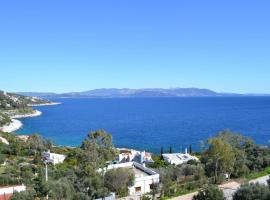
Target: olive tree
{"x":251,"y":192}
{"x":118,"y":180}
{"x":209,"y":192}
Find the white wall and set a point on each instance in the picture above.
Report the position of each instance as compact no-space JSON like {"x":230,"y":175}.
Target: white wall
{"x":10,"y":190}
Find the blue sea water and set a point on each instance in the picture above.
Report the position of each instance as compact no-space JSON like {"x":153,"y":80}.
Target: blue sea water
{"x":152,"y":123}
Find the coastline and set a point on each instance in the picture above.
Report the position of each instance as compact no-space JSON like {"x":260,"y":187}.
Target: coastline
{"x":35,"y":114}
{"x":45,"y":104}
{"x":17,"y":124}
{"x":11,"y":127}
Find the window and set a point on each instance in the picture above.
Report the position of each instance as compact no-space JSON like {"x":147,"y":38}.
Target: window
{"x":138,"y":189}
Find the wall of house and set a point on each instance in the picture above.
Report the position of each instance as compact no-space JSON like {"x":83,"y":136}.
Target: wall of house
{"x":144,"y":183}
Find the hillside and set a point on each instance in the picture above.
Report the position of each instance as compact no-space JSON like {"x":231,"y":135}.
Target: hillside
{"x":14,"y":104}
{"x":126,"y":92}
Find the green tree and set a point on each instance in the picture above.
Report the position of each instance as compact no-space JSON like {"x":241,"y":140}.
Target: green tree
{"x":61,"y":189}
{"x":218,"y":158}
{"x":170,"y":150}
{"x":190,"y":149}
{"x":40,"y":185}
{"x":29,"y":194}
{"x":118,"y":180}
{"x":252,"y":192}
{"x":97,"y":149}
{"x":161,"y":153}
{"x":2,"y":158}
{"x":210,"y":192}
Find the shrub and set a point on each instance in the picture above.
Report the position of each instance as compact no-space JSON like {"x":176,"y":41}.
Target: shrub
{"x":210,"y":192}
{"x":252,"y":191}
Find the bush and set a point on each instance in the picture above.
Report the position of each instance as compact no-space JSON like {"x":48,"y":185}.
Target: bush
{"x":25,"y":195}
{"x":210,"y":192}
{"x":252,"y":191}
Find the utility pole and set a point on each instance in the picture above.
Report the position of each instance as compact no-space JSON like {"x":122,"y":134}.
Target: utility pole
{"x":46,"y":174}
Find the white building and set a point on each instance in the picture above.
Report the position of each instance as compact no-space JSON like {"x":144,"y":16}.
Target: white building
{"x":7,"y":192}
{"x":144,"y":178}
{"x":178,"y":158}
{"x":53,"y":158}
{"x":131,"y":155}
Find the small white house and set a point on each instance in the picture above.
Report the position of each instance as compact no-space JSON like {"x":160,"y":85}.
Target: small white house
{"x":145,"y":178}
{"x":178,"y":158}
{"x":53,"y":158}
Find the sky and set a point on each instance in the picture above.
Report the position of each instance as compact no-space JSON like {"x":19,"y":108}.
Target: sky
{"x":61,"y":46}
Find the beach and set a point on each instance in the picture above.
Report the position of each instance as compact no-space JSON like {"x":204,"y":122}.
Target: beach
{"x":13,"y":126}
{"x":16,"y":124}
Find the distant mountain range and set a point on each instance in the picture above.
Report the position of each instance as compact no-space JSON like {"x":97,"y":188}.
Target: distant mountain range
{"x":147,"y":92}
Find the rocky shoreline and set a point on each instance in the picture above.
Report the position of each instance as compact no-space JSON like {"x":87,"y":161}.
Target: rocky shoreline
{"x":34,"y":114}
{"x":45,"y":104}
{"x":16,"y":124}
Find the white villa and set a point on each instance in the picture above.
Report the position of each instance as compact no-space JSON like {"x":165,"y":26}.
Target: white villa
{"x":131,"y":155}
{"x":178,"y":158}
{"x":53,"y":158}
{"x":144,"y":178}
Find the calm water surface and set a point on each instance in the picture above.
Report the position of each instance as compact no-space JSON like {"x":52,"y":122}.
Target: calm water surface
{"x":152,"y":123}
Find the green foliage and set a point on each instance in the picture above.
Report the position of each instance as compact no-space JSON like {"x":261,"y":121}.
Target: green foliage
{"x":210,"y":192}
{"x":40,"y":185}
{"x":219,"y":158}
{"x":145,"y":197}
{"x":81,"y":196}
{"x":29,"y":194}
{"x":158,"y":162}
{"x":178,"y":180}
{"x":252,"y":192}
{"x":255,"y":175}
{"x":37,"y":144}
{"x":97,"y":149}
{"x":2,"y":158}
{"x":118,"y":180}
{"x":61,"y":189}
{"x":4,"y":119}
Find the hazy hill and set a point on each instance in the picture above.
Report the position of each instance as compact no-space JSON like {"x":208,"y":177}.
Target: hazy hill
{"x":125,"y":92}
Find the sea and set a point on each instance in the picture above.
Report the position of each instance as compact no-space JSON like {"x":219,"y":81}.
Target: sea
{"x":152,"y":123}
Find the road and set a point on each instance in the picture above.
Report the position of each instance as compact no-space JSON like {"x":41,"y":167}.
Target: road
{"x":227,"y":188}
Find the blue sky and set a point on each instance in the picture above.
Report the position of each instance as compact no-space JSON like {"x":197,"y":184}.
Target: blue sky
{"x":63,"y":45}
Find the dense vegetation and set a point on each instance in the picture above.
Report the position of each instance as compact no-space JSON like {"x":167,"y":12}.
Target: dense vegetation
{"x":227,"y":153}
{"x":78,"y":177}
{"x":252,"y":191}
{"x":211,"y":192}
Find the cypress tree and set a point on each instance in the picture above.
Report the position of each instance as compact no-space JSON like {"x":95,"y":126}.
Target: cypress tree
{"x":161,"y":152}
{"x":170,"y":149}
